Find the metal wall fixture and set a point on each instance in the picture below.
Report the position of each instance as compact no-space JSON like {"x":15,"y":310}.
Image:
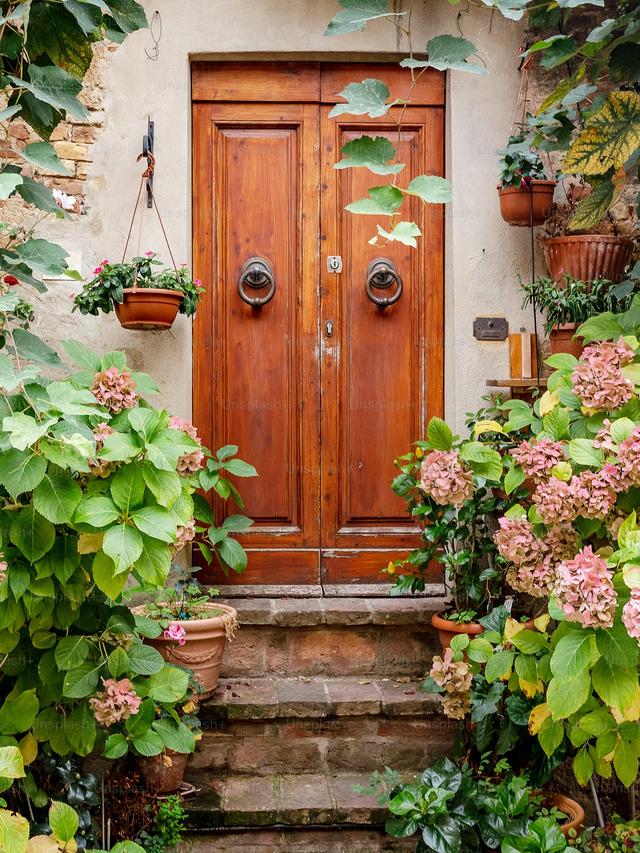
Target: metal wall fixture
{"x":147,"y":151}
{"x":256,"y":274}
{"x":381,"y":274}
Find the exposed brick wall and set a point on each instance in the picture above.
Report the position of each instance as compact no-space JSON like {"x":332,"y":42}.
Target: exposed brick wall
{"x":72,"y":140}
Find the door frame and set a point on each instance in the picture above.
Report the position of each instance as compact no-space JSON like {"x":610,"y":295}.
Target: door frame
{"x":235,"y":81}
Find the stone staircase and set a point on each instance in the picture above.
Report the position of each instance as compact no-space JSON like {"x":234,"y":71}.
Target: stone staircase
{"x":316,"y":694}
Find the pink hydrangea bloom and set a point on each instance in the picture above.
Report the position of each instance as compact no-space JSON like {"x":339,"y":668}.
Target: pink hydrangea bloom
{"x":176,"y":632}
{"x":445,"y":479}
{"x":584,"y":590}
{"x":629,"y":457}
{"x":631,"y":615}
{"x":598,"y":379}
{"x":595,"y":494}
{"x":100,"y":467}
{"x":555,"y":501}
{"x":185,"y":533}
{"x":3,"y":567}
{"x":603,"y":437}
{"x":530,"y":571}
{"x":189,"y":463}
{"x":538,"y":458}
{"x":115,"y":389}
{"x":118,"y":701}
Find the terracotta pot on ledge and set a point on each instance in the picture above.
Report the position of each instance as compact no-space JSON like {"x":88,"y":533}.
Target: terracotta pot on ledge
{"x":148,"y":309}
{"x":561,"y":339}
{"x":519,"y":204}
{"x":588,"y":256}
{"x":447,"y":629}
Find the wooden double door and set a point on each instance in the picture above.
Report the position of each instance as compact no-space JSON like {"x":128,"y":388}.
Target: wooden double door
{"x":320,"y":386}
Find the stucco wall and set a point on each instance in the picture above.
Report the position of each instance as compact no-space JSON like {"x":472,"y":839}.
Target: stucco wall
{"x":483,"y":255}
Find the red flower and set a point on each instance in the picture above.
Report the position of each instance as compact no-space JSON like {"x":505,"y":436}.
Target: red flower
{"x":11,"y":280}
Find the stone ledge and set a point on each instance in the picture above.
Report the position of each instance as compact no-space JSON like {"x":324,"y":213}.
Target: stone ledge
{"x":303,"y":612}
{"x":292,"y":800}
{"x":278,"y":698}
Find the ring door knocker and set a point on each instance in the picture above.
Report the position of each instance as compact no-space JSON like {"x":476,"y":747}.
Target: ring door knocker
{"x":381,"y":274}
{"x":256,"y":273}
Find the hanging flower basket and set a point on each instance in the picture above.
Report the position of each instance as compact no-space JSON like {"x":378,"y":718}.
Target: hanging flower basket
{"x":144,"y":298}
{"x":527,"y":205}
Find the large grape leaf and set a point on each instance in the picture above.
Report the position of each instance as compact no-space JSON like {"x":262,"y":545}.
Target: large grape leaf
{"x":447,"y":53}
{"x":609,"y":138}
{"x":355,"y":14}
{"x":366,"y":98}
{"x":373,"y":154}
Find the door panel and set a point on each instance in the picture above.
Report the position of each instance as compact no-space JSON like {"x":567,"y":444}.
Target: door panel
{"x":260,"y":389}
{"x":320,"y":415}
{"x":380,"y":380}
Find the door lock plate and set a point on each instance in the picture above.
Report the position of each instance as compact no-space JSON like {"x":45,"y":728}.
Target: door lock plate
{"x":334,"y":263}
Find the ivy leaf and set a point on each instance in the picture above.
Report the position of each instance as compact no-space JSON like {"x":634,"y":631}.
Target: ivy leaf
{"x":356,"y":13}
{"x":382,"y":201}
{"x":372,"y":154}
{"x":8,"y":183}
{"x":123,"y":544}
{"x":609,"y":138}
{"x":447,"y":53}
{"x":366,"y":98}
{"x":591,"y":210}
{"x":403,"y":232}
{"x":431,"y":189}
{"x":56,"y":497}
{"x":55,"y":87}
{"x":43,"y":156}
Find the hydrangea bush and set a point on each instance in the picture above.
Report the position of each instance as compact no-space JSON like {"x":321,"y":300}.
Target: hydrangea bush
{"x":97,"y":487}
{"x":576,"y":545}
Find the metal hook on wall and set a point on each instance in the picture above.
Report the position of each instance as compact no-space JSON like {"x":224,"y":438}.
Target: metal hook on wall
{"x":147,"y":151}
{"x":155,"y":29}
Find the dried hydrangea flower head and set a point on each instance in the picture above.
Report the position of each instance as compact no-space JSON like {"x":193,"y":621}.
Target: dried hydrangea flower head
{"x":118,"y":701}
{"x":445,"y":478}
{"x":189,"y":463}
{"x":100,"y":467}
{"x":585,"y":591}
{"x":538,"y":458}
{"x":3,"y":568}
{"x":185,"y":533}
{"x":598,"y":380}
{"x":115,"y":389}
{"x":455,"y":678}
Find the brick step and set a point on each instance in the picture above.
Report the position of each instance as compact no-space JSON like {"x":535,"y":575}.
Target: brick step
{"x":332,"y":637}
{"x":298,"y":840}
{"x":285,"y":801}
{"x":312,"y":725}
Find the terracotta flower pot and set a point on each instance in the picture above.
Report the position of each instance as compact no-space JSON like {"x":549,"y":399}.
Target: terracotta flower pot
{"x":561,"y":340}
{"x":447,"y":629}
{"x":163,"y":773}
{"x":203,"y":647}
{"x":588,"y":256}
{"x":516,"y":203}
{"x":148,"y":308}
{"x":572,"y":809}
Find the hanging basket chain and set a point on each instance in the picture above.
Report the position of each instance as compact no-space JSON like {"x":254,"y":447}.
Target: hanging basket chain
{"x":148,"y":172}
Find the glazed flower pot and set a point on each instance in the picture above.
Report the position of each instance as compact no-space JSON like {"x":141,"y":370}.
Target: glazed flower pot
{"x":148,"y":308}
{"x":163,"y":773}
{"x":447,"y":629}
{"x":561,"y":339}
{"x":203,"y":644}
{"x":588,"y":256}
{"x":519,"y":205}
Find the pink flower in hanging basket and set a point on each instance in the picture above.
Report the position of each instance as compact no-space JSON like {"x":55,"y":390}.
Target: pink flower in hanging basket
{"x":175,"y":632}
{"x":149,"y":254}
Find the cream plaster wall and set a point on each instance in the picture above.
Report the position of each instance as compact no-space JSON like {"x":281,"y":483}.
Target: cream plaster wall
{"x":483,"y":255}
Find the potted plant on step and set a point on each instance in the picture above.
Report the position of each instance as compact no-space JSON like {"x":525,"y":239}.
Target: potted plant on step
{"x":454,"y":489}
{"x":570,"y":302}
{"x":577,"y":246}
{"x":144,"y":298}
{"x":526,"y":196}
{"x":187,"y":624}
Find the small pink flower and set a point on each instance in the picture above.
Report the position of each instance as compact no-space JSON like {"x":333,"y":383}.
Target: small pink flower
{"x":97,"y":271}
{"x":198,"y":282}
{"x":175,"y":632}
